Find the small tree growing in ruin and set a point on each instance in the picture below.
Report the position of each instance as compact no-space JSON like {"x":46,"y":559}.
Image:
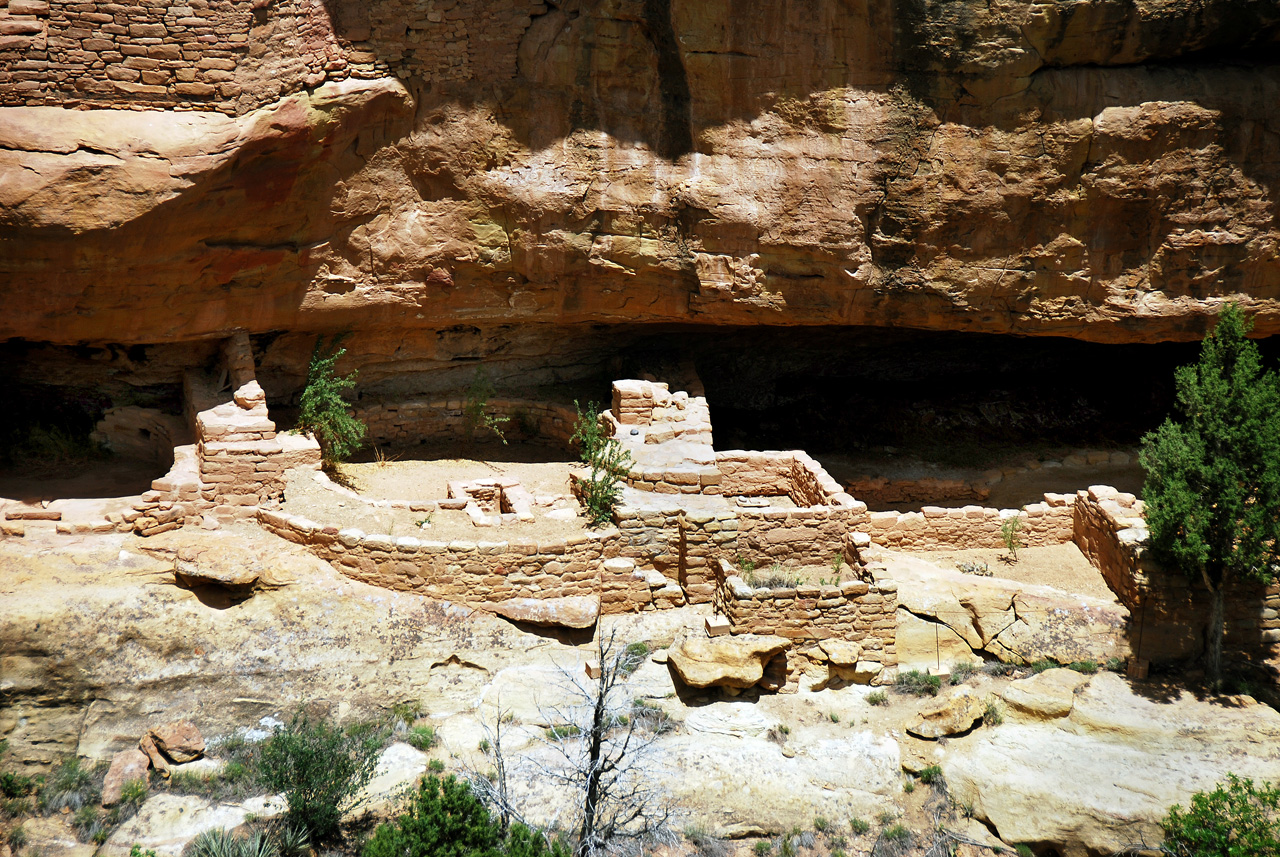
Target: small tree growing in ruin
{"x":1010,"y":534}
{"x":1213,"y":473}
{"x":322,"y":410}
{"x":475,"y":408}
{"x":608,"y":462}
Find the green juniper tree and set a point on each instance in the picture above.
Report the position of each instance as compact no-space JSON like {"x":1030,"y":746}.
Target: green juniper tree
{"x":322,"y":410}
{"x":1213,"y":474}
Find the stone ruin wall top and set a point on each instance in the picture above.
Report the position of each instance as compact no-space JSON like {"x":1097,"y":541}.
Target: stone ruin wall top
{"x":233,"y":56}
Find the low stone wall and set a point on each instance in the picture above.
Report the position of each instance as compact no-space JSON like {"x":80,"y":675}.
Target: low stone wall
{"x":658,"y":414}
{"x":479,"y":573}
{"x":860,"y":615}
{"x":968,"y":527}
{"x":1168,"y":610}
{"x":756,"y":474}
{"x":415,"y":420}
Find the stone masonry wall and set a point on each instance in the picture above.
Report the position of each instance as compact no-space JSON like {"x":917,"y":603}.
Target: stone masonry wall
{"x":861,"y":613}
{"x":808,"y":536}
{"x":934,"y":527}
{"x":479,"y":572}
{"x":442,"y":419}
{"x":225,"y":55}
{"x":1169,"y":611}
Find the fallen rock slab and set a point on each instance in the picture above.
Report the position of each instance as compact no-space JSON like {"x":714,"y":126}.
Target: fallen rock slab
{"x":181,"y":741}
{"x":573,"y":611}
{"x":127,"y":765}
{"x":949,"y":715}
{"x":737,"y":661}
{"x":1050,"y":694}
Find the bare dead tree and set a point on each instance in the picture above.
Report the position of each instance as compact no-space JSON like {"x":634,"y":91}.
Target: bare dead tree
{"x":492,"y":788}
{"x":601,"y":754}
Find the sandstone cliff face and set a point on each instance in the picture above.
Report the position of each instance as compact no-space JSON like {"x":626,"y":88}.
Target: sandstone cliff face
{"x":1104,"y":170}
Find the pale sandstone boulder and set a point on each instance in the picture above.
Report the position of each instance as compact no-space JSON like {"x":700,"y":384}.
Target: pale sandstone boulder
{"x":125,"y":766}
{"x":167,"y":823}
{"x":949,"y":715}
{"x":399,"y":768}
{"x":574,"y":611}
{"x":743,"y":720}
{"x":1104,"y":775}
{"x":841,"y":653}
{"x":53,"y":836}
{"x":1047,"y":695}
{"x":180,"y":741}
{"x":738,"y":661}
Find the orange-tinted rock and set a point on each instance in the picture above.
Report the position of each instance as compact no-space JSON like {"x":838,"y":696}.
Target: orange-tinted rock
{"x":961,"y":166}
{"x":181,"y":741}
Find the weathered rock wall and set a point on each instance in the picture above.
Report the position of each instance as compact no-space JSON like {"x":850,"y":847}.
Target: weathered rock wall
{"x":1102,"y":170}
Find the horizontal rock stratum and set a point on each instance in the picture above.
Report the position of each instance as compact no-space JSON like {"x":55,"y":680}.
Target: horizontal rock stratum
{"x":1099,"y":170}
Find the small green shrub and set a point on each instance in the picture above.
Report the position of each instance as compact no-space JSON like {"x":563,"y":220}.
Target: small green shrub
{"x":992,"y":714}
{"x":1023,"y":850}
{"x":321,"y":409}
{"x":444,"y":818}
{"x":319,"y":767}
{"x":705,"y":843}
{"x":833,"y":717}
{"x":930,"y":775}
{"x":1041,"y":665}
{"x":132,"y":796}
{"x":763,"y":848}
{"x":475,"y":408}
{"x":887,"y":816}
{"x":421,"y":738}
{"x":223,"y":843}
{"x":1236,"y":819}
{"x":909,"y":786}
{"x":17,"y":838}
{"x":859,"y":826}
{"x":563,"y":731}
{"x":878,"y":697}
{"x":632,"y":657}
{"x":837,"y":563}
{"x":293,"y":840}
{"x":918,"y":683}
{"x":897,"y":833}
{"x":998,"y":669}
{"x":91,"y":825}
{"x":1010,"y":530}
{"x":1116,"y":665}
{"x":1086,"y":667}
{"x":821,"y":825}
{"x":16,"y":785}
{"x":962,"y":671}
{"x":136,"y":851}
{"x":70,"y":786}
{"x":435,"y":766}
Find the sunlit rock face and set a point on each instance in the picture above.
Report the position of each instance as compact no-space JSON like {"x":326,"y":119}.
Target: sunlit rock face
{"x":463,"y":177}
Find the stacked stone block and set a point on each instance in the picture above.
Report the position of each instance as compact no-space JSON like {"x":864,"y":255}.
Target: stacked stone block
{"x":859,"y":612}
{"x":659,"y":414}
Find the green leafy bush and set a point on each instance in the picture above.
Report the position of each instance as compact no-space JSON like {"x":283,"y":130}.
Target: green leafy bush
{"x":763,"y":848}
{"x":322,"y":410}
{"x":319,"y":767}
{"x":1236,"y":819}
{"x":602,"y":486}
{"x":421,"y":738}
{"x":859,"y":826}
{"x":962,"y":671}
{"x":878,"y":697}
{"x":930,"y":775}
{"x":918,"y":683}
{"x":444,"y":818}
{"x":223,"y":843}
